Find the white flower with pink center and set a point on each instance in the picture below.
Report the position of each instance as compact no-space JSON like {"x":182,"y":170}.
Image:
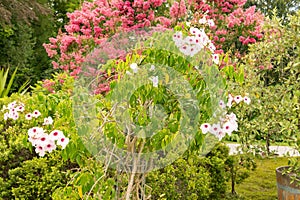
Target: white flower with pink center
{"x":232,"y":117}
{"x":230,"y":100}
{"x":28,"y":116}
{"x":238,"y":99}
{"x":154,"y":81}
{"x":35,"y":131}
{"x":56,"y":134}
{"x":222,"y":104}
{"x":36,"y":113}
{"x":228,"y":128}
{"x":205,"y":128}
{"x":48,"y":121}
{"x":152,"y":68}
{"x":210,"y":22}
{"x":194,"y":31}
{"x":43,"y":139}
{"x":15,"y":116}
{"x":40,"y":150}
{"x":202,"y":20}
{"x":220,"y":134}
{"x":247,"y":100}
{"x":63,"y":141}
{"x":215,"y":58}
{"x":20,"y":108}
{"x":134,"y":68}
{"x":6,"y":116}
{"x":211,"y":47}
{"x":12,"y":105}
{"x":215,"y":128}
{"x":50,"y":146}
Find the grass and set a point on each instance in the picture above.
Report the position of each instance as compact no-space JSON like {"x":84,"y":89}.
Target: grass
{"x":261,"y":185}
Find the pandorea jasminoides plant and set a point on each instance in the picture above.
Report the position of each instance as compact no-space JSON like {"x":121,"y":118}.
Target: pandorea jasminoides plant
{"x":194,"y":43}
{"x":227,"y":123}
{"x":37,"y":136}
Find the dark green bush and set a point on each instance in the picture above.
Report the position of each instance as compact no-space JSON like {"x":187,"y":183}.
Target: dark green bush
{"x":192,"y":177}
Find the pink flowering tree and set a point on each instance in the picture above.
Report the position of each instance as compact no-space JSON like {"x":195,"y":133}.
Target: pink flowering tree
{"x":97,"y":20}
{"x":234,"y":27}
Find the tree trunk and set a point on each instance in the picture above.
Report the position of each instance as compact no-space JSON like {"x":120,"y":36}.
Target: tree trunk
{"x":268,"y":143}
{"x":232,"y":181}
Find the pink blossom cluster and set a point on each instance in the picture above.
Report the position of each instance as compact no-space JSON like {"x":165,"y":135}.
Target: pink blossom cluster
{"x":38,"y":137}
{"x":97,"y":20}
{"x":227,"y":122}
{"x":178,"y":10}
{"x":48,"y":84}
{"x":233,"y":23}
{"x":194,"y":43}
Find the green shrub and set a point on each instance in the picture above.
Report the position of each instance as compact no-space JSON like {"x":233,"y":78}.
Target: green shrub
{"x":184,"y":179}
{"x":192,"y":177}
{"x":23,"y":175}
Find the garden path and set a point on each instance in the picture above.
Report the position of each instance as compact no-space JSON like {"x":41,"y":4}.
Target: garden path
{"x":279,"y":150}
